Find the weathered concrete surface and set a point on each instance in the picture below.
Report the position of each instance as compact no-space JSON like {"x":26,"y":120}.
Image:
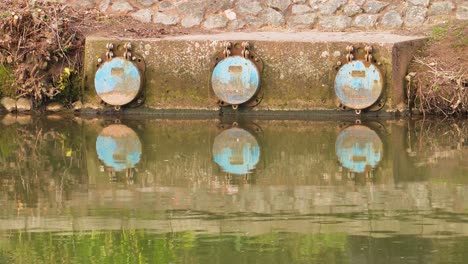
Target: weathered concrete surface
{"x":299,"y":68}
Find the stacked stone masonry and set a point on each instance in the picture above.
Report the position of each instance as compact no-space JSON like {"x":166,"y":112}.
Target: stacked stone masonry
{"x":325,"y":15}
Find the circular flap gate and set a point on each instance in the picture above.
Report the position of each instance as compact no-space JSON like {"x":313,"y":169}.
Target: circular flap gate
{"x":118,"y":80}
{"x":236,"y":151}
{"x":236,"y":78}
{"x":359,"y":83}
{"x":359,"y":148}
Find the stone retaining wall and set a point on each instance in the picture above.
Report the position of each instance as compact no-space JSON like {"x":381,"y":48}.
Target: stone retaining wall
{"x":325,"y":15}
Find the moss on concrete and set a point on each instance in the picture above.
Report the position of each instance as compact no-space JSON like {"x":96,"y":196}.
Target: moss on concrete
{"x":6,"y":82}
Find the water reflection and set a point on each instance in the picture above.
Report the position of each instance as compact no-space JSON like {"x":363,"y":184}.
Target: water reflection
{"x":359,"y":148}
{"x":236,"y":151}
{"x":298,"y":208}
{"x":119,"y":148}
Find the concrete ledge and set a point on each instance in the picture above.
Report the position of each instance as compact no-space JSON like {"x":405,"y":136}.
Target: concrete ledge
{"x":298,"y":75}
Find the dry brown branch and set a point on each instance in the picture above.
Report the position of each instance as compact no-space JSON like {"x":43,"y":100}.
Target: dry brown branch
{"x":440,"y":90}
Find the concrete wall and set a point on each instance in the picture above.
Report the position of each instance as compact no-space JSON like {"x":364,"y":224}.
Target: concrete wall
{"x":298,"y":74}
{"x":325,"y":15}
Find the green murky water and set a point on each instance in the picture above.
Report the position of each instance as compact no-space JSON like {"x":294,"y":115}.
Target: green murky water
{"x":209,"y":191}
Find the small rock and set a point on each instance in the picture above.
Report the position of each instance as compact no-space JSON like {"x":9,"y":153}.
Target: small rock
{"x":300,"y":9}
{"x":391,"y":19}
{"x":272,"y":17}
{"x":215,"y":21}
{"x":365,"y":21}
{"x":121,"y":6}
{"x":299,"y":1}
{"x":192,"y":8}
{"x":165,"y":5}
{"x":144,"y":15}
{"x":166,"y":19}
{"x":335,"y":22}
{"x":352,"y":10}
{"x":236,"y":24}
{"x":77,"y":106}
{"x":415,"y":16}
{"x":441,"y":8}
{"x":248,"y":7}
{"x":104,"y":5}
{"x":424,"y":3}
{"x":302,"y":20}
{"x":330,"y":7}
{"x":253,"y":21}
{"x":192,"y":20}
{"x":23,"y":105}
{"x":231,"y":15}
{"x":215,"y":5}
{"x":359,"y":2}
{"x":92,"y":106}
{"x":54,"y":107}
{"x":374,"y":7}
{"x":8,"y":103}
{"x":147,"y":2}
{"x":279,"y":4}
{"x":462,"y":12}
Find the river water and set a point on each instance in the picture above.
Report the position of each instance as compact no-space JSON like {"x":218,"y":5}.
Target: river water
{"x":91,"y":190}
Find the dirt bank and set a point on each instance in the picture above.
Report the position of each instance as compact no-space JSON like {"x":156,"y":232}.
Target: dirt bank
{"x":439,"y":72}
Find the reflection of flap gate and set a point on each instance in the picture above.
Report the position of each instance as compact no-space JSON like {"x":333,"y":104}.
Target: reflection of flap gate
{"x":236,"y":151}
{"x":359,"y":148}
{"x":359,"y":83}
{"x":236,"y":76}
{"x":119,"y":147}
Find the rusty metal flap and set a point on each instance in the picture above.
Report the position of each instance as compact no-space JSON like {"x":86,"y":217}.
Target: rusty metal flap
{"x":235,"y":80}
{"x":358,"y":84}
{"x":117,"y":81}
